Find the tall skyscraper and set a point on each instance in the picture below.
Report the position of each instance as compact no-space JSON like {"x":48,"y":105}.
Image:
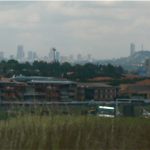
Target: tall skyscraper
{"x":57,"y":57}
{"x":35,"y":56}
{"x":50,"y":57}
{"x":54,"y":54}
{"x":20,"y":53}
{"x":132,"y":49}
{"x":30,"y":56}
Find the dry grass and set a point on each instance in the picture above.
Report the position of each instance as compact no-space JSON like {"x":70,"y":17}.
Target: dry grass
{"x":74,"y":133}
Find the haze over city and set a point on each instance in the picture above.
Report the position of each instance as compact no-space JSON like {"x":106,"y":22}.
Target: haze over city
{"x":102,"y":29}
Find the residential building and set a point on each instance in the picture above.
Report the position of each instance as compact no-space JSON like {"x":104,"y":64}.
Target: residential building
{"x":96,"y":91}
{"x":48,"y":88}
{"x":34,"y":88}
{"x":140,"y":89}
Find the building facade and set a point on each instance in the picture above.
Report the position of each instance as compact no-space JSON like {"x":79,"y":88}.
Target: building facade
{"x":96,"y":91}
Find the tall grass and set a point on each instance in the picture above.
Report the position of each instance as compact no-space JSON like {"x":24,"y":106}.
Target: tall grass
{"x":32,"y":132}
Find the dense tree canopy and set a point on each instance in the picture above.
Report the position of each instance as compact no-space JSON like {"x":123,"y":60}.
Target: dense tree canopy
{"x":66,"y":70}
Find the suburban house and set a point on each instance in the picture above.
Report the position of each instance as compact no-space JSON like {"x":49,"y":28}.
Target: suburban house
{"x":37,"y":89}
{"x":140,"y":89}
{"x":33,"y":88}
{"x":96,"y":91}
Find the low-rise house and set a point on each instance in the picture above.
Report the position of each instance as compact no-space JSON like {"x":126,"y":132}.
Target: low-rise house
{"x":11,"y":91}
{"x":55,"y":90}
{"x":96,"y":91}
{"x":48,"y":88}
{"x":140,"y":89}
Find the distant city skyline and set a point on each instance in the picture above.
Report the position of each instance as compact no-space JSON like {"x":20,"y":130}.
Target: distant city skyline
{"x":54,"y":55}
{"x":102,"y":29}
{"x":23,"y":55}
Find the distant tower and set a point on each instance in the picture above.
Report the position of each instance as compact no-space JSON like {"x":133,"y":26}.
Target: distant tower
{"x":132,"y":49}
{"x":30,"y":56}
{"x":54,"y":54}
{"x":57,"y":56}
{"x":20,"y":53}
{"x":35,"y":56}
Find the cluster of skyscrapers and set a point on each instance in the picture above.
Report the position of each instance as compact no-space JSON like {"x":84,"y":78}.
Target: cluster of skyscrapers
{"x":53,"y":56}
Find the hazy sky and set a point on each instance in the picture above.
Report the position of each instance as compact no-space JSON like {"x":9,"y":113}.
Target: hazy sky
{"x":103,"y":29}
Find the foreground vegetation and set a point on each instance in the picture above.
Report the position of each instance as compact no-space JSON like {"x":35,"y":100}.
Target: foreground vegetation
{"x":32,"y":132}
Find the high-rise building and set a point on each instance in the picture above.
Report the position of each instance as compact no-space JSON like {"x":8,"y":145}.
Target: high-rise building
{"x":35,"y":56}
{"x":132,"y":49}
{"x":57,"y":56}
{"x":30,"y":56}
{"x":50,"y":57}
{"x":20,"y":53}
{"x":53,"y":55}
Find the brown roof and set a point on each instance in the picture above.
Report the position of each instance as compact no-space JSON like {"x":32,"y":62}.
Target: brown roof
{"x":93,"y":84}
{"x":144,"y":82}
{"x":135,"y":88}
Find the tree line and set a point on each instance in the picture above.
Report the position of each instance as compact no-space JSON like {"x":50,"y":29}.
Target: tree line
{"x":65,"y":70}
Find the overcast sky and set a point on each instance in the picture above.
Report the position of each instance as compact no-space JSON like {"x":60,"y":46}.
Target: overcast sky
{"x":103,"y":29}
